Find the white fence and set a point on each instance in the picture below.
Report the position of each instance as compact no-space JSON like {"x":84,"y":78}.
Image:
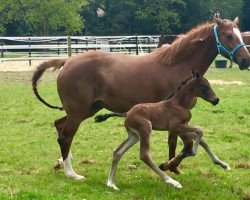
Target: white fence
{"x":37,"y":48}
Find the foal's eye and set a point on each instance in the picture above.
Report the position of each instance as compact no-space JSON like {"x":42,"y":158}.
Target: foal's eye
{"x":229,"y":37}
{"x":205,"y":89}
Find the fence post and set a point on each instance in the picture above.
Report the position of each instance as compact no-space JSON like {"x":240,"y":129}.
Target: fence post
{"x":149,"y":49}
{"x":58,"y":50}
{"x":2,"y":49}
{"x":76,"y":47}
{"x":29,"y":53}
{"x":137,"y":47}
{"x":69,"y":46}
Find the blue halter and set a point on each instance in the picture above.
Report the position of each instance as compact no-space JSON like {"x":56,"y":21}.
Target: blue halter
{"x":220,"y":47}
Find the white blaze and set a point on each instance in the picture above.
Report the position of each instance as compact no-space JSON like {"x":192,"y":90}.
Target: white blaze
{"x":237,"y":32}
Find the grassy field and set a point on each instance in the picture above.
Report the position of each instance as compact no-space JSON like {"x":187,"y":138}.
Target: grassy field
{"x":28,"y":148}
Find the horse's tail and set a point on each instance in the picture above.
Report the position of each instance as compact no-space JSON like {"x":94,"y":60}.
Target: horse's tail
{"x":101,"y":118}
{"x":56,"y":64}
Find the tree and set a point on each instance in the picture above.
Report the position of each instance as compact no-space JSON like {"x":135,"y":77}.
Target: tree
{"x":43,"y":17}
{"x":196,"y":12}
{"x":227,"y":8}
{"x":161,"y":15}
{"x":245,"y":16}
{"x":133,"y":17}
{"x":118,"y":17}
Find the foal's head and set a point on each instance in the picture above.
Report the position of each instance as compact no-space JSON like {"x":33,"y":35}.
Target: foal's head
{"x":202,"y":88}
{"x":229,"y":37}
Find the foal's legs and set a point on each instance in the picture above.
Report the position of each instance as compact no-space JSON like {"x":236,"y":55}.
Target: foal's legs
{"x":186,"y":152}
{"x":172,"y":143}
{"x":146,"y":158}
{"x":117,"y":155}
{"x":175,"y":161}
{"x":211,"y":154}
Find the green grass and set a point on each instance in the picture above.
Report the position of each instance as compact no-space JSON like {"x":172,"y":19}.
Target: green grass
{"x":29,"y":148}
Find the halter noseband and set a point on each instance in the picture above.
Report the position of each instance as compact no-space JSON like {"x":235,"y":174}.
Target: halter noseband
{"x":220,"y":47}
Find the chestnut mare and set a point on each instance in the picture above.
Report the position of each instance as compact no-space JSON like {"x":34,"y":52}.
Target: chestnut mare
{"x":173,"y":115}
{"x":95,"y":80}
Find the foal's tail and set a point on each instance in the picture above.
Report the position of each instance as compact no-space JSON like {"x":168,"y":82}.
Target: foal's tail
{"x":104,"y":117}
{"x":56,"y":64}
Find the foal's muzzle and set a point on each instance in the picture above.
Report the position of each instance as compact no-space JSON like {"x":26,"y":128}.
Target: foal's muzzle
{"x":244,"y":64}
{"x":215,"y":101}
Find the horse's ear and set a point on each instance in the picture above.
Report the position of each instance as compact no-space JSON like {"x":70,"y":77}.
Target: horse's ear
{"x":195,"y":74}
{"x":237,"y":20}
{"x":218,"y":21}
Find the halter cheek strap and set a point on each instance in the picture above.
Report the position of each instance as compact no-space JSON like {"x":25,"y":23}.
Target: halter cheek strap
{"x":220,"y":47}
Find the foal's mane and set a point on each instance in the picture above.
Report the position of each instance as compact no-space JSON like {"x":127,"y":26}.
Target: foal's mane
{"x":183,"y":47}
{"x":184,"y":82}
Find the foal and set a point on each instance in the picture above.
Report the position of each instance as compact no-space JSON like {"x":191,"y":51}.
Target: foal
{"x":172,"y":114}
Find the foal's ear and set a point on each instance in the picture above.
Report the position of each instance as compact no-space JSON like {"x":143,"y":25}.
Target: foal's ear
{"x":195,"y":74}
{"x":218,"y":21}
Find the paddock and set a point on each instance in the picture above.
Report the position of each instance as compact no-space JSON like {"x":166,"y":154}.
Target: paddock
{"x":29,"y":148}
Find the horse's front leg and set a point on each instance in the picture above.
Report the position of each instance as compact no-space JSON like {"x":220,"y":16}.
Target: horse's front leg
{"x":172,"y":143}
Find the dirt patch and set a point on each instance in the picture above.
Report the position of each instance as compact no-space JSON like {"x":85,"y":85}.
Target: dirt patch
{"x":10,"y":66}
{"x":221,"y":82}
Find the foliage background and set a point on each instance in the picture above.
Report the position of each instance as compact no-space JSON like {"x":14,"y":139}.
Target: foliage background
{"x":121,"y":17}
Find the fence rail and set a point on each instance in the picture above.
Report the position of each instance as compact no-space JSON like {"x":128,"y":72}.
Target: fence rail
{"x":37,"y":48}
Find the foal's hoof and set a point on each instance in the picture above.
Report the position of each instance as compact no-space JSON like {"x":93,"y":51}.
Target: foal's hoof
{"x":58,"y":165}
{"x":165,"y":167}
{"x":112,"y":185}
{"x":76,"y":176}
{"x":226,"y":167}
{"x":174,"y":183}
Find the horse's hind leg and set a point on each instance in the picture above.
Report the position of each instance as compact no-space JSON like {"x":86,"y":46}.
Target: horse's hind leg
{"x":59,"y":124}
{"x":65,"y":139}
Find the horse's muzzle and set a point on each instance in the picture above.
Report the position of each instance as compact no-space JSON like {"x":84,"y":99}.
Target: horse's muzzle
{"x":215,"y":101}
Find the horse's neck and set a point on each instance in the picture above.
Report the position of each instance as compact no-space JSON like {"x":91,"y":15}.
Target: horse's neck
{"x":203,"y":57}
{"x":184,"y":95}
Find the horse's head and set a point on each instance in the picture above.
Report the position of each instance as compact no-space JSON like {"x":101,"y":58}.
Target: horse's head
{"x":203,"y":89}
{"x":229,"y":42}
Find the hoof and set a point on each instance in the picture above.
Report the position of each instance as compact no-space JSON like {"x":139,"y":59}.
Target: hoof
{"x":75,"y":176}
{"x":174,"y":183}
{"x":112,"y":185}
{"x":165,"y":167}
{"x":179,"y":186}
{"x":224,"y":165}
{"x":227,"y":167}
{"x":58,"y":165}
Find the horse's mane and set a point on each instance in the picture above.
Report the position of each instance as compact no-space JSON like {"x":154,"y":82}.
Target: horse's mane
{"x":183,"y":47}
{"x":184,"y":82}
